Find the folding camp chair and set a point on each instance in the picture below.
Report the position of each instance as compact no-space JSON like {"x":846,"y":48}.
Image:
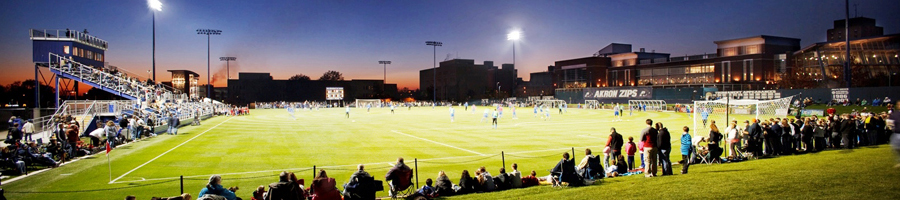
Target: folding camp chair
{"x":703,"y":153}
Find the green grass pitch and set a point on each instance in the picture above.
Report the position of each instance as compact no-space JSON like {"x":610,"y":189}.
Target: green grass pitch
{"x":251,"y":150}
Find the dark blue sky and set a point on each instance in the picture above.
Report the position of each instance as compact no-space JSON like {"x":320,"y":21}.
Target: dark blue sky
{"x":291,"y":37}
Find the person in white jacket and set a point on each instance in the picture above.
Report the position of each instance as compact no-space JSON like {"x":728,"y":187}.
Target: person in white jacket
{"x":733,"y":135}
{"x":28,"y":129}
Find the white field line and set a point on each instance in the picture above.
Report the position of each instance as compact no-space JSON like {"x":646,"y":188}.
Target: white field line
{"x":170,"y":150}
{"x":432,"y":141}
{"x":350,"y":165}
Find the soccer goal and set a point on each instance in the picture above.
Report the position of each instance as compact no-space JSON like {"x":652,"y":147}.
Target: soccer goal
{"x":550,"y":103}
{"x":650,"y":105}
{"x":362,"y":103}
{"x":723,"y":110}
{"x":591,"y":104}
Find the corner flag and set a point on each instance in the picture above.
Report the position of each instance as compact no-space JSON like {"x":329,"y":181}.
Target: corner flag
{"x":108,"y":148}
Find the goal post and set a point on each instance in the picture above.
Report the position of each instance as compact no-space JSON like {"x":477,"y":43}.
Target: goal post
{"x":361,"y":103}
{"x":651,"y":105}
{"x":591,"y":104}
{"x":723,"y":110}
{"x":551,"y":103}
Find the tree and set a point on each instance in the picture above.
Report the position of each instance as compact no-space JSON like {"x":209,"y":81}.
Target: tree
{"x":299,"y":77}
{"x":332,"y":75}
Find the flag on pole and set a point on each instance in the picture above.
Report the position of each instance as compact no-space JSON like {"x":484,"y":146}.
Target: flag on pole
{"x":108,"y":148}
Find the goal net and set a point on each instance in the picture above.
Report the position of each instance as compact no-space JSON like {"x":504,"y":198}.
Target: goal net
{"x":550,"y":103}
{"x":362,"y":103}
{"x":724,"y":110}
{"x":591,"y":104}
{"x":647,"y":105}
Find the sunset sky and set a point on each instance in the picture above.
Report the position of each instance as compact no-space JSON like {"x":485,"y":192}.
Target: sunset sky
{"x":294,"y":37}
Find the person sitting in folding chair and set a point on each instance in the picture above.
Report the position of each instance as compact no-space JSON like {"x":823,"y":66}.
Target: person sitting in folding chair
{"x":590,"y":167}
{"x":400,"y":177}
{"x":700,"y":151}
{"x":564,"y":172}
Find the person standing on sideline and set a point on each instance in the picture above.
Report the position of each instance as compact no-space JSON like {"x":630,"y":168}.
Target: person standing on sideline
{"x":173,"y":124}
{"x":28,"y":128}
{"x":650,"y":137}
{"x":685,"y":150}
{"x":495,"y":115}
{"x":392,"y":108}
{"x":894,"y":122}
{"x":630,"y":148}
{"x":614,"y":143}
{"x":664,"y":146}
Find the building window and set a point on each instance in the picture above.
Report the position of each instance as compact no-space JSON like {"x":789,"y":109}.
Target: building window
{"x":729,"y":51}
{"x":66,"y":49}
{"x":752,"y":49}
{"x":748,"y":69}
{"x":726,"y":71}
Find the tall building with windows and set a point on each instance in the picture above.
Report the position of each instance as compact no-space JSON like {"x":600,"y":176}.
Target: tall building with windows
{"x":873,"y":55}
{"x":748,"y":63}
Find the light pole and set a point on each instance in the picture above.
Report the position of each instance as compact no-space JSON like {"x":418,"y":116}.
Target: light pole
{"x":434,"y":44}
{"x":498,"y":90}
{"x":514,"y":36}
{"x":208,"y":32}
{"x":384,"y":81}
{"x":155,"y":5}
{"x":227,"y":68}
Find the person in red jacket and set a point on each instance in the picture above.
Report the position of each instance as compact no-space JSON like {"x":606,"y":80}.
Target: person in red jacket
{"x":630,"y":148}
{"x":649,"y":137}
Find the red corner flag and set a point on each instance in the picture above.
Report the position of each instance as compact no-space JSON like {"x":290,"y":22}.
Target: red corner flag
{"x":107,"y":148}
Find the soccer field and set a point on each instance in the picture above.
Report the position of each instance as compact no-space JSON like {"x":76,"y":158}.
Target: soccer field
{"x":251,"y":150}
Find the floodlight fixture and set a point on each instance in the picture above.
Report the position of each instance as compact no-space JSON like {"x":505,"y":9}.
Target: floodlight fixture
{"x":155,"y":5}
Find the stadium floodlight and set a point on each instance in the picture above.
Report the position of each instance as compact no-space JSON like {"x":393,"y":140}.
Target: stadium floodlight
{"x":434,"y":44}
{"x":227,"y":69}
{"x":384,"y":81}
{"x":154,"y":5}
{"x":514,"y":36}
{"x":208,"y":32}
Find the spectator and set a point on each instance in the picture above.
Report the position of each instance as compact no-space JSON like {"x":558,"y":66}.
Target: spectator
{"x":33,"y":153}
{"x":564,"y":171}
{"x":284,"y":189}
{"x":686,"y":149}
{"x":467,"y":184}
{"x":649,"y":137}
{"x":9,"y":159}
{"x":894,"y":124}
{"x":28,"y":129}
{"x":14,"y":132}
{"x":665,"y":147}
{"x":399,"y":177}
{"x":715,"y":137}
{"x":589,"y":167}
{"x":259,"y":193}
{"x":734,"y":139}
{"x":515,"y":176}
{"x":173,"y":123}
{"x":502,"y":180}
{"x":352,"y":189}
{"x":111,"y":132}
{"x":532,"y":180}
{"x":426,"y":191}
{"x":614,"y":143}
{"x":630,"y":148}
{"x":324,"y":188}
{"x":214,"y":187}
{"x":443,"y":187}
{"x":485,"y":180}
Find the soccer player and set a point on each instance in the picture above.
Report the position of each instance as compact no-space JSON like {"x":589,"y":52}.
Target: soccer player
{"x":467,"y":106}
{"x":513,"y":108}
{"x":368,"y":107}
{"x":704,"y":114}
{"x":392,"y":108}
{"x":560,"y":108}
{"x":496,"y":114}
{"x":348,"y":111}
{"x":535,"y":110}
{"x":452,"y":112}
{"x":616,"y":112}
{"x":546,"y":114}
{"x":485,"y":116}
{"x":290,"y":110}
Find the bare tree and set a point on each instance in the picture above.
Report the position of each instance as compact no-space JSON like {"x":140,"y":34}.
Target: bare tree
{"x":332,"y":75}
{"x":299,"y":77}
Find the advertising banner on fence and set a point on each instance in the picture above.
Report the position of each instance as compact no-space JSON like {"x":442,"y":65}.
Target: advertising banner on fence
{"x":617,"y":93}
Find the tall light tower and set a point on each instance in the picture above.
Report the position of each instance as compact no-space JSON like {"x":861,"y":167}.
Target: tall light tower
{"x":208,"y":32}
{"x":227,"y":68}
{"x":434,"y":44}
{"x":514,"y":36}
{"x":384,"y":81}
{"x":155,"y":6}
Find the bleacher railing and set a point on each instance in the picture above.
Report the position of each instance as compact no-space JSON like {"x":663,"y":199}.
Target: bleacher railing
{"x":104,"y":79}
{"x":51,"y":34}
